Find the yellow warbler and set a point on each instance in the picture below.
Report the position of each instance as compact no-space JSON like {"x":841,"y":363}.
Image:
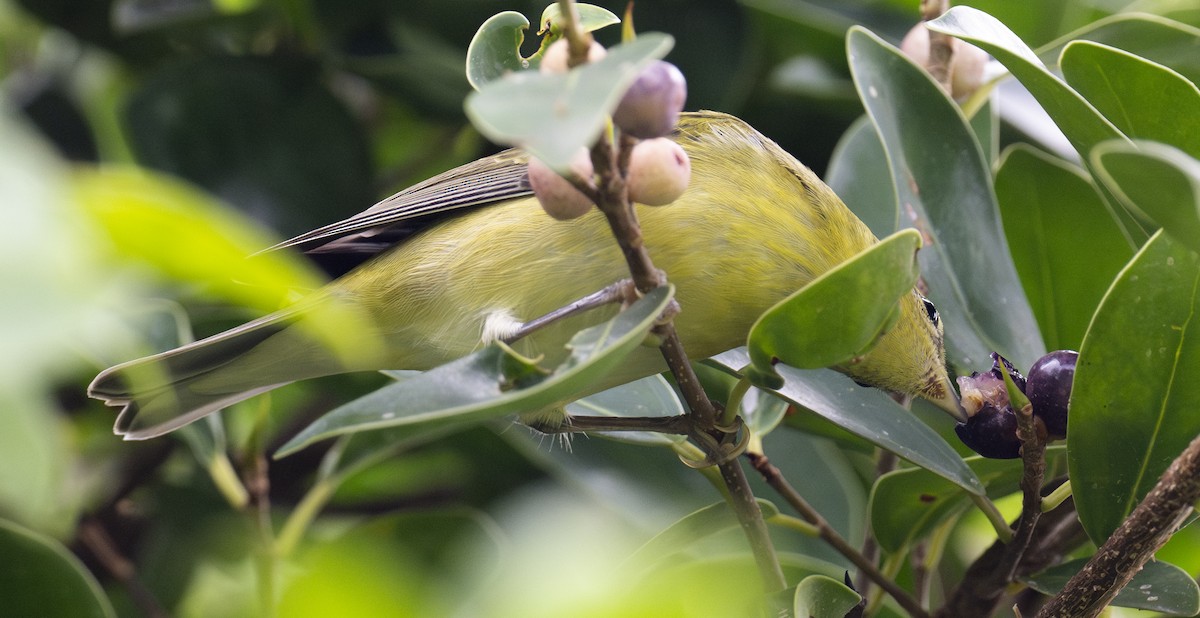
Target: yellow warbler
{"x":753,"y":226}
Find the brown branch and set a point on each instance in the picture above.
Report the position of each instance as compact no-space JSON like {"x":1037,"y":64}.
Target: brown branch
{"x":101,"y":545}
{"x":1137,"y":538}
{"x":775,"y":479}
{"x":941,"y":50}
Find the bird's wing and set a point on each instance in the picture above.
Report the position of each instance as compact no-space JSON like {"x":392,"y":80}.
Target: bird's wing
{"x":491,"y":179}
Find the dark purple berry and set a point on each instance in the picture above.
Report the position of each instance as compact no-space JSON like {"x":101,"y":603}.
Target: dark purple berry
{"x":1049,"y":389}
{"x":1017,"y":378}
{"x":991,"y":432}
{"x":651,"y":106}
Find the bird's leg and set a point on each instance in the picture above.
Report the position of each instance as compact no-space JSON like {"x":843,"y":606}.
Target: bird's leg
{"x":622,"y":291}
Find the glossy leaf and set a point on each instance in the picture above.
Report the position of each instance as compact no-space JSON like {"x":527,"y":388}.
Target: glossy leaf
{"x":553,"y":115}
{"x":41,"y":577}
{"x":1065,"y":248}
{"x":819,"y":596}
{"x":1156,"y":38}
{"x":208,"y":246}
{"x":697,"y":525}
{"x":495,"y":50}
{"x":1157,"y":587}
{"x":493,"y":381}
{"x":908,"y":504}
{"x":943,"y":185}
{"x":651,"y":396}
{"x":1157,"y":180}
{"x":1134,"y":401}
{"x":855,"y":166}
{"x":867,"y":413}
{"x":1143,"y":99}
{"x":821,"y":325}
{"x":985,"y":124}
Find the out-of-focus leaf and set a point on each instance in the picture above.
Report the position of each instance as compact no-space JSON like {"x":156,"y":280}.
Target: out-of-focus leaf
{"x":1134,"y":401}
{"x":867,"y":413}
{"x":263,"y":134}
{"x":553,"y":115}
{"x":1143,"y":99}
{"x":944,"y":189}
{"x":495,"y":49}
{"x":591,"y":17}
{"x":492,"y":382}
{"x":1157,"y":180}
{"x":855,"y":169}
{"x":40,"y":577}
{"x":651,"y":396}
{"x":1158,"y":587}
{"x":908,"y":504}
{"x":156,"y":222}
{"x":1065,"y":247}
{"x":1156,"y":38}
{"x":820,"y":596}
{"x":839,"y":315}
{"x":696,"y":525}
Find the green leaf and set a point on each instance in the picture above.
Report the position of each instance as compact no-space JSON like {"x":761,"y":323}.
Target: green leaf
{"x":944,"y":188}
{"x":818,"y":596}
{"x":823,"y":325}
{"x":1157,"y":180}
{"x":651,"y":396}
{"x":493,"y":381}
{"x":867,"y":413}
{"x":1158,"y":39}
{"x":697,"y":525}
{"x":591,"y":17}
{"x":985,"y":124}
{"x":1143,"y":99}
{"x":1065,"y":250}
{"x":553,"y":115}
{"x":855,"y":167}
{"x":208,"y":246}
{"x":495,"y":50}
{"x":1134,"y":402}
{"x":908,"y":504}
{"x":40,"y":577}
{"x":1158,"y":587}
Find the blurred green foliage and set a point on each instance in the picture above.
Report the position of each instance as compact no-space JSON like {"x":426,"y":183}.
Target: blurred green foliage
{"x":296,"y":113}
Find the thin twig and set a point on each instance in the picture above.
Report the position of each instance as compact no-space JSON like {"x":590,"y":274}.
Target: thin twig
{"x":1150,"y":525}
{"x":618,"y":292}
{"x":1033,"y":458}
{"x":678,"y":425}
{"x":775,"y":479}
{"x":93,"y":535}
{"x":941,"y":52}
{"x":885,"y":461}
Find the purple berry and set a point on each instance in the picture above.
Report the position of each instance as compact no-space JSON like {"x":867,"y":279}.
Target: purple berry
{"x":991,"y":432}
{"x":1049,"y":389}
{"x":1017,"y":378}
{"x":651,"y":106}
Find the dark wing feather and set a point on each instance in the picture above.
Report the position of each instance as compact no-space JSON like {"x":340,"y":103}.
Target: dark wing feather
{"x":492,"y":179}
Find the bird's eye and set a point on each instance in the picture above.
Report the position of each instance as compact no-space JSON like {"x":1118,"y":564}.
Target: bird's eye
{"x":930,"y":310}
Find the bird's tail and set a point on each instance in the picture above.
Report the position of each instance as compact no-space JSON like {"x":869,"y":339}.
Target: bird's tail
{"x":161,"y":393}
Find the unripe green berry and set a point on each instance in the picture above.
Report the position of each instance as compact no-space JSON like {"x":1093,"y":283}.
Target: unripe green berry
{"x":554,"y":59}
{"x":659,"y":172}
{"x":651,"y":106}
{"x":558,"y":197}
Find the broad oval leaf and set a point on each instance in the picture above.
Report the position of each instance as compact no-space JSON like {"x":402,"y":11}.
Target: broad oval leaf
{"x":553,"y":115}
{"x":1156,"y":38}
{"x":838,"y":315}
{"x":694,"y":526}
{"x":1143,"y":99}
{"x":859,"y":156}
{"x":495,"y":50}
{"x":40,"y":577}
{"x":1065,"y":247}
{"x":867,"y":413}
{"x":944,"y":189}
{"x":1157,"y":180}
{"x":819,"y":596}
{"x":1158,"y":587}
{"x":908,"y":504}
{"x":1134,"y":402}
{"x":493,"y":381}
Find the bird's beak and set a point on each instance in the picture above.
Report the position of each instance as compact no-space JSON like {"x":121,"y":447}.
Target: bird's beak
{"x":946,"y":398}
